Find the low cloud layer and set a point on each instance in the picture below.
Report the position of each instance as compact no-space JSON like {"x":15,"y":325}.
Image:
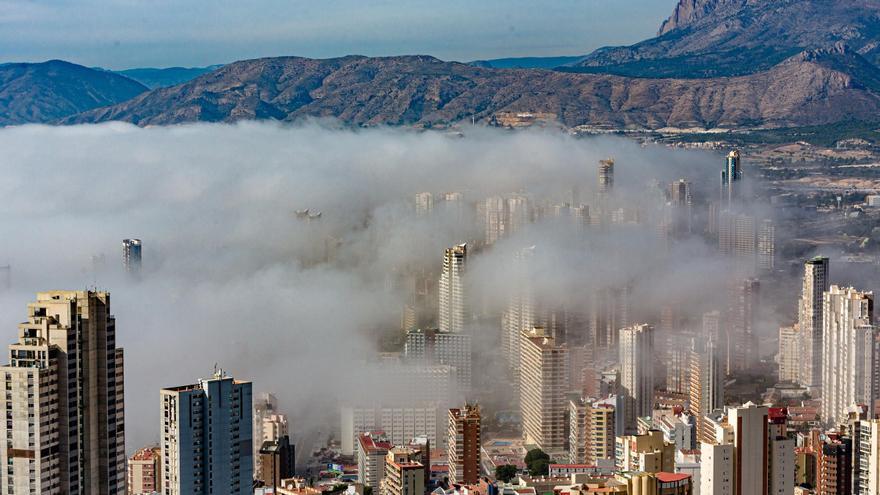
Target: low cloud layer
{"x":232,"y":276}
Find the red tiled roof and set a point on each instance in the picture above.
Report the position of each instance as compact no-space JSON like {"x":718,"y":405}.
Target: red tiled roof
{"x":370,"y":444}
{"x":671,"y":477}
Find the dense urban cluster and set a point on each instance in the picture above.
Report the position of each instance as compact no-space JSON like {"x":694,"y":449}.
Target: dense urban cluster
{"x":601,"y":391}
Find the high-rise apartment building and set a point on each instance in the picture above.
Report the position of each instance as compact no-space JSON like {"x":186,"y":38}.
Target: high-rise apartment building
{"x":65,"y":428}
{"x":131,"y":256}
{"x":424,"y":202}
{"x":493,"y":212}
{"x":404,"y":474}
{"x":277,"y":461}
{"x":453,"y":298}
{"x":740,"y":348}
{"x":432,"y":346}
{"x":810,"y":308}
{"x":610,"y":311}
{"x":750,"y":453}
{"x":606,"y":177}
{"x":649,"y":452}
{"x":636,"y":356}
{"x":207,"y":444}
{"x":269,"y":424}
{"x":520,"y":314}
{"x":591,"y":430}
{"x":681,"y":205}
{"x":766,"y":245}
{"x":731,"y":175}
{"x":834,"y":465}
{"x":706,"y":386}
{"x":399,"y":424}
{"x":789,"y":356}
{"x":464,"y":445}
{"x":868,"y":466}
{"x":737,"y":238}
{"x":144,"y":472}
{"x":371,"y":451}
{"x":544,"y":381}
{"x":848,"y":352}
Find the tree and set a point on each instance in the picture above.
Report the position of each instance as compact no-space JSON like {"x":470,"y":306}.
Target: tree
{"x":538,"y":462}
{"x":505,"y":472}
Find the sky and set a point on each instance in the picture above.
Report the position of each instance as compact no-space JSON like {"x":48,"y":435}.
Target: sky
{"x":120,"y":34}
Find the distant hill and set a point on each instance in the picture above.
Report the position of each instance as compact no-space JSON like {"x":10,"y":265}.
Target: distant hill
{"x":170,"y":76}
{"x":527,"y":62}
{"x":810,"y":88}
{"x":719,"y":38}
{"x":48,"y":91}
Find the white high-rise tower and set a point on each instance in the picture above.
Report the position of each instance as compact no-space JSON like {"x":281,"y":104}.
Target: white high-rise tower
{"x":453,"y":299}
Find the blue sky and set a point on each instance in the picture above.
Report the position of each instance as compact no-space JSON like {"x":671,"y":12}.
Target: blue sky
{"x":159,"y":33}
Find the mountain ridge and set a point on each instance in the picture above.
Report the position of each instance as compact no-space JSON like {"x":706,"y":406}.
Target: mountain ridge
{"x":422,"y":91}
{"x":48,"y":91}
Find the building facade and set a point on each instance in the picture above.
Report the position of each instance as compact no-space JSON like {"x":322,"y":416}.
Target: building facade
{"x":637,"y":372}
{"x":65,"y":428}
{"x":453,"y":298}
{"x":848,"y":352}
{"x":544,"y":381}
{"x":207,"y":444}
{"x":463,"y":443}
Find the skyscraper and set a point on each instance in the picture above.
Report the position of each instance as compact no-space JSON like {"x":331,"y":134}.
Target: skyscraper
{"x":432,"y":346}
{"x":789,"y":356}
{"x":810,"y":309}
{"x":848,"y":352}
{"x":681,"y":203}
{"x":766,"y":245}
{"x":494,"y":215}
{"x":868,"y":467}
{"x":544,"y":380}
{"x":424,"y":202}
{"x":706,"y":387}
{"x":207,"y":437}
{"x":606,"y":177}
{"x":65,"y":371}
{"x":637,"y":372}
{"x":463,"y":441}
{"x":731,"y":175}
{"x":520,"y":314}
{"x":131,"y":256}
{"x":741,"y":345}
{"x":453,"y":299}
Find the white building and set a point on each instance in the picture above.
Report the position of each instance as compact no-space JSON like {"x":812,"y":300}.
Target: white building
{"x":810,"y":321}
{"x":400,"y":424}
{"x":544,"y":380}
{"x":848,"y":352}
{"x":453,"y":297}
{"x":431,"y":346}
{"x":637,"y":357}
{"x":789,"y":356}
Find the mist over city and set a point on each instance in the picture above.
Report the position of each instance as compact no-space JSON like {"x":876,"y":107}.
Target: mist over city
{"x":244,"y":283}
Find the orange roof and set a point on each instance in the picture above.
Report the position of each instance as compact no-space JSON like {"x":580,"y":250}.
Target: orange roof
{"x":671,"y":477}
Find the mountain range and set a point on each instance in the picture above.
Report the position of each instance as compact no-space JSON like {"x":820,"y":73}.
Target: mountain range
{"x":714,"y":63}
